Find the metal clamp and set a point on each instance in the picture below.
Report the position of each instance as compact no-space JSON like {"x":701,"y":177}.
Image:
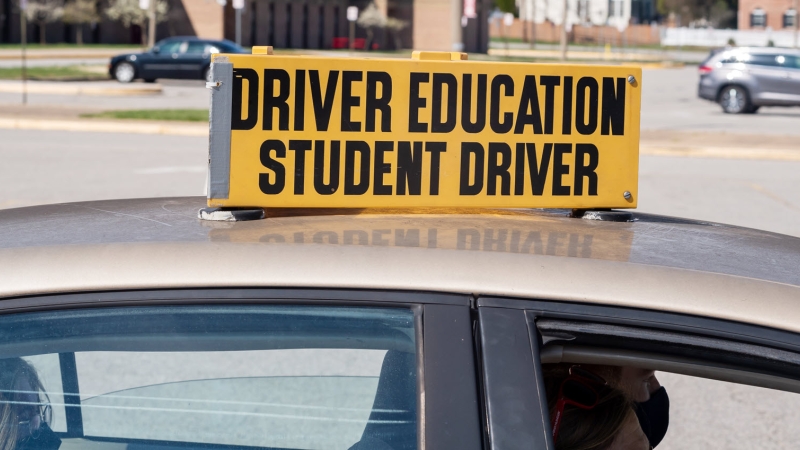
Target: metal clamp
{"x":213,"y":84}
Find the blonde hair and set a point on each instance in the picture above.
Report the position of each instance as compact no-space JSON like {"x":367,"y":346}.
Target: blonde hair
{"x":586,"y":429}
{"x":12,"y":370}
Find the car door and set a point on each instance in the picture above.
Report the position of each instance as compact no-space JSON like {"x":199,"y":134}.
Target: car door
{"x":239,"y":368}
{"x":771,"y":76}
{"x":793,"y":81}
{"x":162,"y":60}
{"x":523,"y":340}
{"x":194,"y":60}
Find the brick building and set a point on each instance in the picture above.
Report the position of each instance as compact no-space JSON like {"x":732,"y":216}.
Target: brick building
{"x":763,"y":14}
{"x":298,"y":24}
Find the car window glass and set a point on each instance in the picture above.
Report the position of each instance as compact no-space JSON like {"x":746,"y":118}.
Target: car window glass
{"x":764,"y":60}
{"x":716,"y":414}
{"x":196,"y":47}
{"x":170,"y":47}
{"x":639,"y":408}
{"x":287,"y":377}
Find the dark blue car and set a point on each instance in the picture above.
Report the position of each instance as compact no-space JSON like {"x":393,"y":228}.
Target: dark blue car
{"x":187,"y":58}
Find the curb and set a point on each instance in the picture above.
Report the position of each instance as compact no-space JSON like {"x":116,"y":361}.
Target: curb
{"x":649,"y":61}
{"x":770,"y":154}
{"x":58,"y":89}
{"x":66,"y":55}
{"x":175,"y":129}
{"x":201,"y":130}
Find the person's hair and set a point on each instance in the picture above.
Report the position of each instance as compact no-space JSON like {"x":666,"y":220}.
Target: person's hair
{"x":586,"y":429}
{"x":12,"y":370}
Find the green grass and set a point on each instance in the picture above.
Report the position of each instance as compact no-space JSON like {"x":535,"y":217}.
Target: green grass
{"x":59,"y":46}
{"x":186,"y":115}
{"x":53,"y":73}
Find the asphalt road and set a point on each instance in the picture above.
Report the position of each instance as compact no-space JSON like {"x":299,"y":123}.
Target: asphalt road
{"x":670,"y":102}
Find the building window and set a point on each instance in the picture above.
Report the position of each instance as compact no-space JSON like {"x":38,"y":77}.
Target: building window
{"x":789,"y":18}
{"x":583,"y":10}
{"x":758,"y":18}
{"x":615,"y":8}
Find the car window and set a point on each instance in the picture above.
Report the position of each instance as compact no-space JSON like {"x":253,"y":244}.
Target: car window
{"x":170,"y":47}
{"x":293,"y":377}
{"x":765,"y":60}
{"x":197,"y":47}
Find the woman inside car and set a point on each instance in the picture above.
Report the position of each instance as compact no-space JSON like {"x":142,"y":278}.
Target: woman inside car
{"x":587,"y":412}
{"x":24,"y":408}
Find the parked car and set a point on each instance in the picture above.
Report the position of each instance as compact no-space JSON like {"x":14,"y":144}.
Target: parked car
{"x":175,"y":57}
{"x":742,"y":80}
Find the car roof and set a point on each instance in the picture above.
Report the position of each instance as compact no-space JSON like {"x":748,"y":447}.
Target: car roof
{"x":764,"y":50}
{"x":653,"y":262}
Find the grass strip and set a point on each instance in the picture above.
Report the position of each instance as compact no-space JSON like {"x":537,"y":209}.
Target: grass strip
{"x":64,"y":45}
{"x":53,"y":73}
{"x":186,"y":115}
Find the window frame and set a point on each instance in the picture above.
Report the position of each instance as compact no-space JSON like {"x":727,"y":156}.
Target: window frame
{"x":758,"y":15}
{"x":789,"y":14}
{"x":447,"y":391}
{"x":509,"y":318}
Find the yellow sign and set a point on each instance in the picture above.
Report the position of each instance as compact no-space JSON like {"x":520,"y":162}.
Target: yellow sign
{"x":435,"y":130}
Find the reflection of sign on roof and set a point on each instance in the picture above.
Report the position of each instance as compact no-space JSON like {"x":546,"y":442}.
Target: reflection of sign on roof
{"x":504,"y":232}
{"x":432,"y":131}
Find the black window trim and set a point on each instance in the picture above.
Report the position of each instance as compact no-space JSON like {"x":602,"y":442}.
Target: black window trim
{"x":444,"y":342}
{"x":515,"y":403}
{"x":512,"y":310}
{"x":668,"y":321}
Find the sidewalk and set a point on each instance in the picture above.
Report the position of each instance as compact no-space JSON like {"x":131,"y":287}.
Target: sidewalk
{"x":719,"y":145}
{"x":112,"y":88}
{"x":653,"y":142}
{"x":66,"y":53}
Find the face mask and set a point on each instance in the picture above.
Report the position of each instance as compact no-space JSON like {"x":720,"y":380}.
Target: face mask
{"x":45,"y":440}
{"x":654,"y":416}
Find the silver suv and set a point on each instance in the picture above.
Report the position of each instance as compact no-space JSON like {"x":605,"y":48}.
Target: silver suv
{"x":743,"y":79}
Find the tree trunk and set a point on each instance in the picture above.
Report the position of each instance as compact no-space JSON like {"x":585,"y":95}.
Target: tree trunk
{"x":370,"y":36}
{"x":42,"y":34}
{"x":79,"y":34}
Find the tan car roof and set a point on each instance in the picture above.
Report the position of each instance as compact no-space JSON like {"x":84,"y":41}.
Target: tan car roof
{"x":654,"y":262}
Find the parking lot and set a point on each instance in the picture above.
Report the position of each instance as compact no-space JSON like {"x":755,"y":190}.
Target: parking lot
{"x":752,"y":181}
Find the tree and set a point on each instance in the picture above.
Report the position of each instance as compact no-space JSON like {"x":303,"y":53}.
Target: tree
{"x":78,"y":13}
{"x":370,"y":18}
{"x":129,"y":13}
{"x":718,"y":13}
{"x":42,"y":12}
{"x":396,"y":26}
{"x":507,"y":6}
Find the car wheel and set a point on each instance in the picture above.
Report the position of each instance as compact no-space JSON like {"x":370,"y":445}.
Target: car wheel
{"x":207,"y":74}
{"x":753,"y":109}
{"x":734,"y":100}
{"x":124,"y":72}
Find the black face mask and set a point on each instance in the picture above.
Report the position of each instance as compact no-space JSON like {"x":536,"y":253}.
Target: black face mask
{"x":46,"y":439}
{"x":654,"y":416}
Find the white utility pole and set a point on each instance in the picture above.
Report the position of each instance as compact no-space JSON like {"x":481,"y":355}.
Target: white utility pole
{"x":238,"y":6}
{"x":151,"y":22}
{"x":23,"y":5}
{"x":352,"y":17}
{"x":564,"y":31}
{"x":796,"y":22}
